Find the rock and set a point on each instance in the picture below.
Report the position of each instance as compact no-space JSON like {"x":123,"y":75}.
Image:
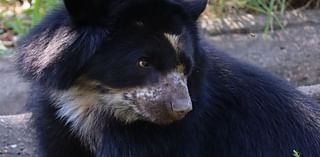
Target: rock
{"x":313,"y":91}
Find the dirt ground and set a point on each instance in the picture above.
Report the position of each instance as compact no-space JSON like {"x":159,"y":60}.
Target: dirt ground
{"x":293,"y":53}
{"x":12,"y":88}
{"x":16,"y":137}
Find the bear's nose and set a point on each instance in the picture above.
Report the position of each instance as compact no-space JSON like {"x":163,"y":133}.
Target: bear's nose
{"x":181,"y":106}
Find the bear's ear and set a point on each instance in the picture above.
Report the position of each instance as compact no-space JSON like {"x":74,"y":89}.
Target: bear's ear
{"x":194,"y":7}
{"x":87,"y":10}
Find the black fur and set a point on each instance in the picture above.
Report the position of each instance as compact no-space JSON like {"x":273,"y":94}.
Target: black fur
{"x":238,"y":110}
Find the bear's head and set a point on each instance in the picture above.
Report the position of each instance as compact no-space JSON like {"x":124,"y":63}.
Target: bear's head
{"x":128,"y":60}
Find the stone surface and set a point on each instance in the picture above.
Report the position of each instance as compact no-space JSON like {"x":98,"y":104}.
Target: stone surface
{"x":313,"y":91}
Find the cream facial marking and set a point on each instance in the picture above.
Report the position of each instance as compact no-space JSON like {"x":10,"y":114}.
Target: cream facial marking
{"x":85,"y":109}
{"x":180,"y":46}
{"x":181,"y":69}
{"x":174,"y":40}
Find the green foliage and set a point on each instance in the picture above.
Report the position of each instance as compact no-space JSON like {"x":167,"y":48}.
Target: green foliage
{"x":39,"y":9}
{"x":266,"y":7}
{"x":30,"y":14}
{"x":19,"y":25}
{"x":296,"y":154}
{"x":269,"y":8}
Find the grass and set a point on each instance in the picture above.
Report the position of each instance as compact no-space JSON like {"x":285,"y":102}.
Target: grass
{"x":266,"y":7}
{"x":269,"y":8}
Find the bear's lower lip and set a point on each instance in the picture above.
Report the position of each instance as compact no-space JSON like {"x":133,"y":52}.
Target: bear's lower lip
{"x":169,"y":119}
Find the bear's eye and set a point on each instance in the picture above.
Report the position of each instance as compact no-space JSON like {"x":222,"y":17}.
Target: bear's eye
{"x":144,"y":63}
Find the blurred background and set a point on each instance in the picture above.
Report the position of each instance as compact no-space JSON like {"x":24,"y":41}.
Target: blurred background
{"x":282,"y":36}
